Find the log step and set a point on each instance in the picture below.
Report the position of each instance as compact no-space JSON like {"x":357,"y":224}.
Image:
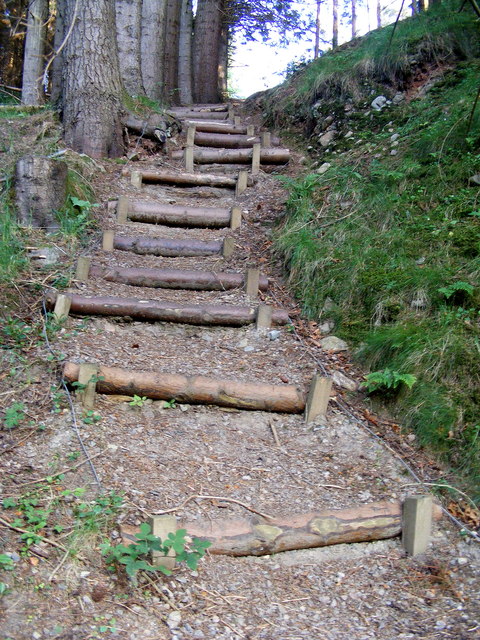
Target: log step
{"x":199,"y":115}
{"x":229,"y":141}
{"x":167,"y":247}
{"x":175,"y":278}
{"x":244,"y":156}
{"x":194,"y":389}
{"x":216,"y":126}
{"x":182,"y":179}
{"x":154,"y":310}
{"x":178,"y":216}
{"x":205,"y":108}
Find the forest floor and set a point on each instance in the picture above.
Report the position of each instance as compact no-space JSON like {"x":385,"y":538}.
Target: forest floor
{"x":156,"y":456}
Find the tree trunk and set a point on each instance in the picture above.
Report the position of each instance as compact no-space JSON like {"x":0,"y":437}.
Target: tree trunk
{"x":229,"y":156}
{"x":195,"y":389}
{"x":223,"y":62}
{"x":335,"y":24}
{"x":316,"y":51}
{"x":57,"y":64}
{"x":4,"y":41}
{"x":128,"y":18}
{"x":207,"y":33}
{"x":354,"y":18}
{"x":92,"y":87}
{"x":152,"y":44}
{"x":174,"y":278}
{"x":379,"y":14}
{"x":171,"y":52}
{"x":185,"y":53}
{"x":34,"y":58}
{"x":189,"y":179}
{"x":166,"y":246}
{"x":154,"y":310}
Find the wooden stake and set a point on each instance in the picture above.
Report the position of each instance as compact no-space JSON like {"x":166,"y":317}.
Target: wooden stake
{"x":237,"y":121}
{"x":190,"y":136}
{"x":264,"y":316}
{"x":136,"y":179}
{"x":122,"y":210}
{"x":231,"y":112}
{"x":83,"y":268}
{"x":189,"y":168}
{"x":87,"y":376}
{"x":251,"y":282}
{"x":417,"y":524}
{"x":266,"y":139}
{"x":161,"y":527}
{"x":256,"y":159}
{"x":108,"y":238}
{"x":235,"y":218}
{"x":62,"y":307}
{"x":250,"y":130}
{"x":242,"y":182}
{"x":318,"y":397}
{"x":228,"y":247}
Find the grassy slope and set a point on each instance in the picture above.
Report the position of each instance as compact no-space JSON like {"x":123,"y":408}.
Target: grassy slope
{"x":394,"y":240}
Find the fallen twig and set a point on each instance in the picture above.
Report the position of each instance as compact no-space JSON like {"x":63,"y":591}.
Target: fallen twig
{"x":275,"y":434}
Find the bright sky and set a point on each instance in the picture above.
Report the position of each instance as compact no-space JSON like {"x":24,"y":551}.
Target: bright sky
{"x":258,"y":66}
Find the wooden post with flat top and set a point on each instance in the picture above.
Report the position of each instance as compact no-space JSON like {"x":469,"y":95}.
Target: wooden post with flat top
{"x":122,"y":209}
{"x":237,"y":121}
{"x":417,"y":524}
{"x":264,"y":316}
{"x":161,"y":526}
{"x":250,"y":130}
{"x":188,"y":154}
{"x":251,"y":282}
{"x":62,"y":307}
{"x":318,"y":397}
{"x":108,"y":240}
{"x":266,"y":138}
{"x":235,"y":218}
{"x":242,"y":182}
{"x":136,"y":179}
{"x":256,"y":159}
{"x":87,"y":376}
{"x":191,"y":136}
{"x":83,"y":268}
{"x":228,"y":247}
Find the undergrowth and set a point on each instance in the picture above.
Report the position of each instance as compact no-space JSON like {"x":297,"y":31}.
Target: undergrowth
{"x":388,"y":245}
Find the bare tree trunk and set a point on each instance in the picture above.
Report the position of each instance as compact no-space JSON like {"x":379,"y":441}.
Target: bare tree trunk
{"x":223,"y":63}
{"x":335,"y":24}
{"x":92,"y":87}
{"x":208,"y":24}
{"x":185,"y":53}
{"x":4,"y":40}
{"x":152,"y":44}
{"x":354,"y":19}
{"x":34,"y":58}
{"x":316,"y":52}
{"x":171,"y":51}
{"x":379,"y":14}
{"x":128,"y":14}
{"x":57,"y":64}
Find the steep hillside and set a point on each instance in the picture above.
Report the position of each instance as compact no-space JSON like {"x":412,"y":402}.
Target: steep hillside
{"x":381,"y":239}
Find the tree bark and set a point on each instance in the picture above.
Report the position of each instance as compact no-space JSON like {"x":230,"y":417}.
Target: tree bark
{"x":167,"y":247}
{"x":379,"y":14}
{"x":171,"y":52}
{"x":153,"y":310}
{"x":335,"y":24}
{"x":195,"y":389}
{"x":92,"y":87}
{"x":189,"y":179}
{"x":4,"y":41}
{"x":57,"y":64}
{"x":216,"y":127}
{"x":185,"y":88}
{"x":128,"y":19}
{"x":189,"y":114}
{"x":174,"y":278}
{"x":228,"y":141}
{"x":223,"y":61}
{"x":34,"y":58}
{"x":240,"y":156}
{"x":152,"y":45}
{"x":354,"y":18}
{"x":316,"y":51}
{"x":176,"y":215}
{"x":206,"y":39}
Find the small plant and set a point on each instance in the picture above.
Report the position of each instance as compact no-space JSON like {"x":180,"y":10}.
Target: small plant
{"x":91,"y":417}
{"x":75,"y":217}
{"x":133,"y":557}
{"x":387,"y":380}
{"x":463,"y":288}
{"x":138,"y":401}
{"x":6,"y":563}
{"x":170,"y":404}
{"x":14,"y":415}
{"x":95,"y":515}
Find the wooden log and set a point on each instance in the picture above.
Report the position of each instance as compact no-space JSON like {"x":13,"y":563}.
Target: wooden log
{"x":204,"y":108}
{"x":228,"y":141}
{"x":146,"y":130}
{"x":178,"y":216}
{"x":259,"y":536}
{"x":154,"y":310}
{"x":199,"y":115}
{"x":166,"y":246}
{"x":217,"y":126}
{"x":195,"y":389}
{"x":240,"y":156}
{"x":179,"y":279}
{"x":188,"y":179}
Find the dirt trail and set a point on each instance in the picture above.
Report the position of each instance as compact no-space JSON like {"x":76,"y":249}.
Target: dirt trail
{"x":158,"y":456}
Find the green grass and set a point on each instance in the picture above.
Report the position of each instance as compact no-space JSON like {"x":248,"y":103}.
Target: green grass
{"x":394,"y":242}
{"x":11,"y":247}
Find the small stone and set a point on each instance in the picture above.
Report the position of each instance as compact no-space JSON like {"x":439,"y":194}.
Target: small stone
{"x":343,"y":381}
{"x":440,"y":624}
{"x":349,"y":134}
{"x":13,"y":556}
{"x":332,"y":343}
{"x":174,"y":619}
{"x":394,"y":137}
{"x":379,"y":103}
{"x":45,"y":256}
{"x":249,"y":349}
{"x":327,"y":138}
{"x":411,"y":437}
{"x":183,"y":407}
{"x":462,"y":561}
{"x":274,"y":334}
{"x":36,"y":635}
{"x":475,"y":180}
{"x":323,"y":168}
{"x":395,"y":143}
{"x":398,"y":98}
{"x":326,"y":327}
{"x":393,"y":152}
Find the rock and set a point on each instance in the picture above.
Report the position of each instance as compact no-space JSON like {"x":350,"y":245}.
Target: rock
{"x":328,"y":305}
{"x":398,"y":98}
{"x":343,"y":381}
{"x":326,"y":326}
{"x":323,"y":168}
{"x":332,"y":343}
{"x":379,"y":103}
{"x":327,"y":138}
{"x":327,"y":122}
{"x":274,"y":334}
{"x":462,"y":561}
{"x":249,"y":349}
{"x":393,"y":152}
{"x":394,"y":137}
{"x":349,"y":134}
{"x":44,"y":256}
{"x":474,"y":180}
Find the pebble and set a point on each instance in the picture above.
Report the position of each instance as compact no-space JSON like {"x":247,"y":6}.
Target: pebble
{"x":274,"y":335}
{"x":173,"y":620}
{"x":249,"y":349}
